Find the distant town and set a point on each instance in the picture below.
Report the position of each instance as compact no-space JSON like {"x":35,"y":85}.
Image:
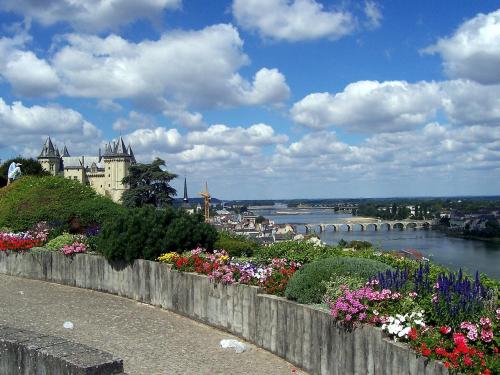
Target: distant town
{"x":467,"y":217}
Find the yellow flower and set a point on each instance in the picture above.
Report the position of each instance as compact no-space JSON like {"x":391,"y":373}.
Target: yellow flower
{"x":223,"y":258}
{"x":168,"y":257}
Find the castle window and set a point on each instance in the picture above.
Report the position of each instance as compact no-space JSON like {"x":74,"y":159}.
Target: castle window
{"x":75,"y":178}
{"x":109,"y":185}
{"x":109,"y":175}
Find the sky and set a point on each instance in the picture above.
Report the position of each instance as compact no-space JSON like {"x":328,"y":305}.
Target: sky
{"x":264,"y":99}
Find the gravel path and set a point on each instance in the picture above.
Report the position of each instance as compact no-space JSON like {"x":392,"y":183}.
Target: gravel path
{"x":149,"y":340}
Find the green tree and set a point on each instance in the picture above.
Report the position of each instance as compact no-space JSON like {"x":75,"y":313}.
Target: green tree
{"x":29,"y":167}
{"x":149,"y":185}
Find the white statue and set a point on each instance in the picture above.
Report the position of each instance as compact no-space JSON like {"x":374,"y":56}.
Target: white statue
{"x":14,"y":172}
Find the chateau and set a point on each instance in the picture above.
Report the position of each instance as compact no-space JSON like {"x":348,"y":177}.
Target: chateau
{"x":104,"y":172}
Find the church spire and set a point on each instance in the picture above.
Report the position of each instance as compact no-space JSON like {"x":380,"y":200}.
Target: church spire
{"x":186,"y":199}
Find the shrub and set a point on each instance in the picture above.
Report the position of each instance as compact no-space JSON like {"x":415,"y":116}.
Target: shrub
{"x":60,"y":241}
{"x":146,"y":233}
{"x":360,"y":245}
{"x":236,"y":245}
{"x":332,"y":286}
{"x":299,"y":251}
{"x":54,"y":199}
{"x":308,"y":284}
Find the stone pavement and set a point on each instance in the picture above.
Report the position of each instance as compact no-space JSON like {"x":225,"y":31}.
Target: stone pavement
{"x":149,"y":340}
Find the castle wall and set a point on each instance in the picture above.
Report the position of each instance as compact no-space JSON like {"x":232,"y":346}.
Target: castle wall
{"x":76,"y":174}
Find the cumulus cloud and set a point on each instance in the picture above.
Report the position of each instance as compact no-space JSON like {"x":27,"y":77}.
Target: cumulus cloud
{"x":183,"y":68}
{"x":154,"y":141}
{"x":467,"y":102}
{"x":28,"y":74}
{"x":367,"y":106}
{"x":473,"y":51}
{"x":24,"y":128}
{"x":254,"y":135}
{"x":292,"y":20}
{"x":89,"y":15}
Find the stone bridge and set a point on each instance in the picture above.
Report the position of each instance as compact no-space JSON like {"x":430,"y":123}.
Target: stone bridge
{"x":362,"y":226}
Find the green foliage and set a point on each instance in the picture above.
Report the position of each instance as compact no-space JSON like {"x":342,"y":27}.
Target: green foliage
{"x":29,"y":167}
{"x":332,"y":286}
{"x":146,"y":233}
{"x":149,"y":185}
{"x":360,"y":245}
{"x":308,"y":284}
{"x":299,"y":251}
{"x":60,"y":241}
{"x":236,"y":245}
{"x":54,"y":199}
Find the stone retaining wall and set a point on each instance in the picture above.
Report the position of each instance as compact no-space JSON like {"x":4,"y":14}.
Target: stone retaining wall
{"x":301,"y":334}
{"x":27,"y":353}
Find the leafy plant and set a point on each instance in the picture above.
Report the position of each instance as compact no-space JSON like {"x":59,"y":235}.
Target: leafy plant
{"x":58,"y":242}
{"x":308,"y":284}
{"x":146,"y":232}
{"x":299,"y":251}
{"x":236,"y":245}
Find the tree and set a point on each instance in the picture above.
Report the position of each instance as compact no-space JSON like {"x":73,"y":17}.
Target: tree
{"x":148,"y":184}
{"x":29,"y":167}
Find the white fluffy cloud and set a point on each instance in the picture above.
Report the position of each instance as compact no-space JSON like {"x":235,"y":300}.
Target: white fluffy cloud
{"x":28,"y":74}
{"x":473,"y":51}
{"x":368,"y":106}
{"x":292,"y":20}
{"x":255,"y":135}
{"x":182,"y":68}
{"x":468,"y":103}
{"x":89,"y":15}
{"x":24,"y":128}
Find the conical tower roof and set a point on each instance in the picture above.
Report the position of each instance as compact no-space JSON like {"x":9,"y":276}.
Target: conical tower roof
{"x":48,"y":149}
{"x":131,"y":153}
{"x":120,"y":147}
{"x":65,"y":151}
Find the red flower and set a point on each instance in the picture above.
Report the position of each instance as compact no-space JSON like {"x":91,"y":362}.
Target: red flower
{"x":445,"y":330}
{"x":467,"y":360}
{"x":425,"y":350}
{"x":447,"y":364}
{"x":413,"y":334}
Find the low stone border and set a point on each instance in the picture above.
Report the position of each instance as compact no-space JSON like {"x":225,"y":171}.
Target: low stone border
{"x":303,"y":335}
{"x":26,"y":352}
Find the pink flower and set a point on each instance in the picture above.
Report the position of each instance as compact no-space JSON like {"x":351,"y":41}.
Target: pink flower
{"x":348,"y":317}
{"x":486,"y":335}
{"x":485,"y":322}
{"x":434,"y":298}
{"x":497,"y":311}
{"x":412,"y":294}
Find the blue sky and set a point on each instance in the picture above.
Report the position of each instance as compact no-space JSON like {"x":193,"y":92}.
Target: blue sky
{"x":264,"y":98}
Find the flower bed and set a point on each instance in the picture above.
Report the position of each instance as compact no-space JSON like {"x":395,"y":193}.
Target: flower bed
{"x":446,"y":316}
{"x":272,"y":276}
{"x":451,"y":318}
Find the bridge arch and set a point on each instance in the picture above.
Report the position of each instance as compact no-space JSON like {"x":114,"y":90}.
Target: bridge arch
{"x":399,"y":225}
{"x":384,"y":226}
{"x":411,"y":226}
{"x":371,"y":225}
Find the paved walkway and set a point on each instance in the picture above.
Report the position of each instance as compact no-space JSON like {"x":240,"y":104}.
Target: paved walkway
{"x":149,"y":340}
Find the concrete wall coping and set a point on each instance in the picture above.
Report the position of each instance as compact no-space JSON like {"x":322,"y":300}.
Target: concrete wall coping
{"x":27,"y":352}
{"x":304,"y":335}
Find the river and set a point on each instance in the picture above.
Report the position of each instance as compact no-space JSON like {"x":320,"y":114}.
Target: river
{"x":455,"y":253}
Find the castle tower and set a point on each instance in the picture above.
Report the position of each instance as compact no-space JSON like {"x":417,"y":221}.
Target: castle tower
{"x":50,"y":158}
{"x":117,"y":161}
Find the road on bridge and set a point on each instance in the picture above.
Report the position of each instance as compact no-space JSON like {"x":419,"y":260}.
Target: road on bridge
{"x":148,"y":339}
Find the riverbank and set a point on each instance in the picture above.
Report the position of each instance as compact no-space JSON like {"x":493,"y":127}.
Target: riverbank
{"x":495,"y":240}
